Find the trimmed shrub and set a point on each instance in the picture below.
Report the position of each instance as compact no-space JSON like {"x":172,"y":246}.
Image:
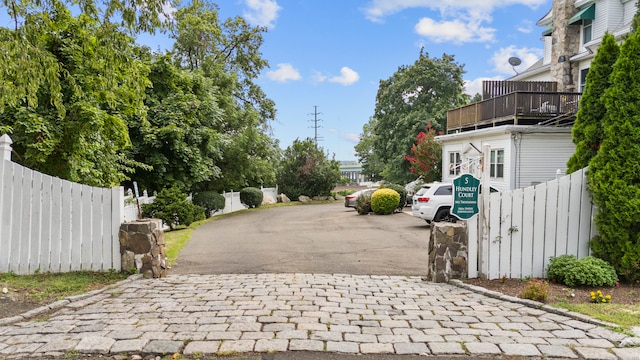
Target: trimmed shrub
{"x":385,"y":201}
{"x":403,"y":194}
{"x":211,"y":201}
{"x":363,"y":203}
{"x":252,"y":197}
{"x":173,"y":208}
{"x":588,"y":271}
{"x":536,"y":290}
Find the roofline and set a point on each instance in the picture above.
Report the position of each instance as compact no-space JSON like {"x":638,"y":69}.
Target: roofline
{"x":505,"y":129}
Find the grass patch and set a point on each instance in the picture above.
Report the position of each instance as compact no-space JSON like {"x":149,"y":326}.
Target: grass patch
{"x":58,"y":286}
{"x":623,"y":315}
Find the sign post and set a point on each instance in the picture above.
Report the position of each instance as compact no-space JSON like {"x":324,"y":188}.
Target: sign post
{"x":466,"y":189}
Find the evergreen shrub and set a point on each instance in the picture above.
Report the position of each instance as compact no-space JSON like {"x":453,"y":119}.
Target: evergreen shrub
{"x":210,"y":200}
{"x":251,"y":196}
{"x":588,"y":271}
{"x":384,"y":201}
{"x":173,"y":208}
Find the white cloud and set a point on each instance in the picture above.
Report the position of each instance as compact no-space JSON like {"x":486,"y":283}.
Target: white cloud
{"x":460,"y":21}
{"x":528,"y":56}
{"x":168,"y":11}
{"x":318,"y":77}
{"x":261,"y":12}
{"x":376,"y":10}
{"x":352,"y":137}
{"x":454,"y":31}
{"x":284,"y":73}
{"x":526,"y":27}
{"x":472,"y":87}
{"x":347,"y":77}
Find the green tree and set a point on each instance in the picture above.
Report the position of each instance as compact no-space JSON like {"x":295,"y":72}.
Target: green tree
{"x":592,"y":114}
{"x":180,"y":137}
{"x":426,"y":160}
{"x":305,"y":170}
{"x":228,"y":53}
{"x":614,"y":173}
{"x":404,"y":104}
{"x":99,"y":83}
{"x":28,"y":65}
{"x":371,"y":166}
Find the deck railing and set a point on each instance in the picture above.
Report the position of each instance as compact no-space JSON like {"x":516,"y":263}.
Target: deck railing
{"x":513,"y":106}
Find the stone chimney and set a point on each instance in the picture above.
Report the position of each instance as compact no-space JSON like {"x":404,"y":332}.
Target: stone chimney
{"x":565,"y":43}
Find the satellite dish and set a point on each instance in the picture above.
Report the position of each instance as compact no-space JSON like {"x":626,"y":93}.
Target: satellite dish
{"x":514,"y":61}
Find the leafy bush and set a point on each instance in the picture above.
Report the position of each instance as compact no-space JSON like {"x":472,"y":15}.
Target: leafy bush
{"x":173,"y":208}
{"x":385,"y":201}
{"x":306,"y":170}
{"x":363,"y":203}
{"x":210,"y":200}
{"x":536,"y":290}
{"x":588,"y":271}
{"x":400,"y":190}
{"x":252,"y":197}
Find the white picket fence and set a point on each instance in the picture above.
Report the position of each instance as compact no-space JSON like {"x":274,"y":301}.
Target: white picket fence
{"x":526,"y":227}
{"x":49,"y":224}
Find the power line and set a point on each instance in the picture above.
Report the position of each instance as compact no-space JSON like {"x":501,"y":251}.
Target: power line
{"x":315,"y":126}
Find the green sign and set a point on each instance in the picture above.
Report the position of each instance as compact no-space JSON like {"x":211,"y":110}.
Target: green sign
{"x":466,"y":188}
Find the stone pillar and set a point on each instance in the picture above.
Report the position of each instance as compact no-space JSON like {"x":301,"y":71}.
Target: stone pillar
{"x":448,"y":252}
{"x":565,"y":41}
{"x":142,"y":247}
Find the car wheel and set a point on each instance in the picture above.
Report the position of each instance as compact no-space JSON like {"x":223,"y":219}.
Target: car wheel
{"x":444,"y":215}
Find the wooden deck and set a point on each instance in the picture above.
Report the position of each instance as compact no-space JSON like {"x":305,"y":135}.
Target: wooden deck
{"x":515,"y":108}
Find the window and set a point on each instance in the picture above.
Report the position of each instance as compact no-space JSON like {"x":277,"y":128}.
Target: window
{"x":497,"y":164}
{"x":454,"y":163}
{"x":583,"y":78}
{"x":586,"y":31}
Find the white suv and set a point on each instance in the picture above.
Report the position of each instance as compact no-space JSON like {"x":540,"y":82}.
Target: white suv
{"x":433,"y":202}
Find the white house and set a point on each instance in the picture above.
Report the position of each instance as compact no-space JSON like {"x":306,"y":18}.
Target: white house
{"x":573,"y":32}
{"x":521,"y":155}
{"x":527,"y":119}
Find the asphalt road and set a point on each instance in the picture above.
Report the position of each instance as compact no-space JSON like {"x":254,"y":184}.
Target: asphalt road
{"x":318,"y":238}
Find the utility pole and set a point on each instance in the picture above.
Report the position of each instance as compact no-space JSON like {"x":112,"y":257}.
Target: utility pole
{"x":315,"y":126}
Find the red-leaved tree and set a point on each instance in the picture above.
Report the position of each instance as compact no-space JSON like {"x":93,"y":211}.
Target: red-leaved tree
{"x":426,"y":160}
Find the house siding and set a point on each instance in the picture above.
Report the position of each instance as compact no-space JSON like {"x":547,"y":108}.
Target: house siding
{"x":629,"y":10}
{"x":539,"y":156}
{"x":497,"y":141}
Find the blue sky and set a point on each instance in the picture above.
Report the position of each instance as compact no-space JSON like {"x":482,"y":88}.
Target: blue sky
{"x":333,"y":53}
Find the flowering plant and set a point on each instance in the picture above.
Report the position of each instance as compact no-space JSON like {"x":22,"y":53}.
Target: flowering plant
{"x":598,"y":297}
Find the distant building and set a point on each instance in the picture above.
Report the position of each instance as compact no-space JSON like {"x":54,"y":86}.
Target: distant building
{"x":352,"y":170}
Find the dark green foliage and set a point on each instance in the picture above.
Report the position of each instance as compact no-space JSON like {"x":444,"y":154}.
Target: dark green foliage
{"x":252,"y":197}
{"x":385,"y":201}
{"x":173,"y":208}
{"x":180,"y":137}
{"x":614,"y":173}
{"x":211,"y":201}
{"x":400,"y":190}
{"x":305,"y":170}
{"x":588,"y":271}
{"x":363,"y":203}
{"x":413,"y":96}
{"x":588,"y":130}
